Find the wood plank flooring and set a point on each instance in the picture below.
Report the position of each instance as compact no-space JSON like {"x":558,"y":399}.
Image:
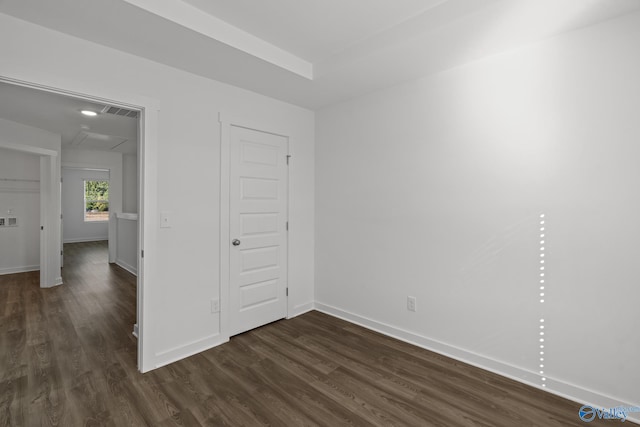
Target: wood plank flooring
{"x":67,"y":358}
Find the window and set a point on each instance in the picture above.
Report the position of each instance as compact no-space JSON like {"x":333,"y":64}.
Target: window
{"x":96,"y":201}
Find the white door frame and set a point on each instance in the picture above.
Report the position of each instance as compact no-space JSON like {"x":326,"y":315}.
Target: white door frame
{"x":226,"y":122}
{"x":147,"y":193}
{"x":49,"y":271}
{"x":111,"y":231}
{"x":50,"y":243}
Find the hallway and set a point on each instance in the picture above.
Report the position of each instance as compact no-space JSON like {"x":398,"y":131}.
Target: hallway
{"x":64,"y":349}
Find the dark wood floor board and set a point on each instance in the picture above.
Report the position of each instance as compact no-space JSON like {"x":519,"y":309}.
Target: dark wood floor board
{"x":403,"y":371}
{"x":151,"y":401}
{"x":297,"y":393}
{"x":181,"y":418}
{"x":74,"y":363}
{"x":237,"y":353}
{"x":243,"y":392}
{"x":280,"y":342}
{"x":387,"y":353}
{"x":231,"y":406}
{"x":223,"y":360}
{"x":403,"y":390}
{"x":113,"y":382}
{"x":128,"y":361}
{"x":12,"y":354}
{"x":501,"y":387}
{"x":360,"y":365}
{"x":298,"y":362}
{"x":188,"y":386}
{"x":409,"y":372}
{"x":12,"y":398}
{"x":97,"y":350}
{"x":46,"y":399}
{"x":256,"y":405}
{"x":15,"y":316}
{"x":236,"y":391}
{"x":68,"y":358}
{"x":382,"y":403}
{"x":78,"y":308}
{"x":87,"y":393}
{"x":289,"y":358}
{"x":4,"y":301}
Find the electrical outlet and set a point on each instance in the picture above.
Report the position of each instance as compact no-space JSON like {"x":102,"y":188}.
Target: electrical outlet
{"x":215,"y":305}
{"x":411,"y":303}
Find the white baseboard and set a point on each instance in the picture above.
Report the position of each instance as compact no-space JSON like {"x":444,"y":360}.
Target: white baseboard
{"x":135,"y":330}
{"x":131,"y":269}
{"x":572,"y":392}
{"x":86,"y":239}
{"x":169,"y":356}
{"x":56,"y":282}
{"x":21,"y":269}
{"x":300,"y":309}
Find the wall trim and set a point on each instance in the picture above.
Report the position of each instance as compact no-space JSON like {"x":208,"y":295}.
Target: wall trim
{"x":578,"y":394}
{"x":56,"y":282}
{"x":175,"y":354}
{"x":301,"y":309}
{"x":86,"y":239}
{"x":127,"y":267}
{"x":126,"y":215}
{"x":21,"y":269}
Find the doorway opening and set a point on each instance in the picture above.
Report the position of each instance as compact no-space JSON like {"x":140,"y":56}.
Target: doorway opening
{"x":89,"y":146}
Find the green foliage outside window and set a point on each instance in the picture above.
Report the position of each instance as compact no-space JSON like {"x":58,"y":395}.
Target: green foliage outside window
{"x":96,"y":199}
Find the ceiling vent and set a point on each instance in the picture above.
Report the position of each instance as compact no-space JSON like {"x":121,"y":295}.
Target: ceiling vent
{"x":116,"y":111}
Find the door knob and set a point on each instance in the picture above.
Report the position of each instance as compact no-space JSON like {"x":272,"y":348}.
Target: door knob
{"x":235,"y":242}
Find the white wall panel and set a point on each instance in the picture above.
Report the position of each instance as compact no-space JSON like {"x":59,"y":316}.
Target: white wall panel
{"x":20,"y":199}
{"x":435,"y":188}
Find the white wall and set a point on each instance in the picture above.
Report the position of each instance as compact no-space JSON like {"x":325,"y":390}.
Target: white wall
{"x":18,"y":137}
{"x":130,"y":183}
{"x":127,"y":242}
{"x":19,"y":198}
{"x":185,"y":259}
{"x":434,"y":189}
{"x":75,"y":229}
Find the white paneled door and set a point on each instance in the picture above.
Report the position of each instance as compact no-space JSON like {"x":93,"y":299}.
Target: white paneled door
{"x":258,"y":229}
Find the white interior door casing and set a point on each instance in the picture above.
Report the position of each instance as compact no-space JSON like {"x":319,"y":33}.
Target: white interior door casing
{"x":258,"y":227}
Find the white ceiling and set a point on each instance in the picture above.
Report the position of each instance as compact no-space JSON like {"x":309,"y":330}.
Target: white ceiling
{"x":314,"y":30}
{"x":61,"y":115}
{"x":315,"y":53}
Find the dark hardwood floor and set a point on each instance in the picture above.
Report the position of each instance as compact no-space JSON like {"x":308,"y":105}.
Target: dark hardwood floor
{"x":67,"y":358}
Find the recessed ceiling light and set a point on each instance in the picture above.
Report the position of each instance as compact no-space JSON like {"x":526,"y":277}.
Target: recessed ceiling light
{"x":89,"y":113}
